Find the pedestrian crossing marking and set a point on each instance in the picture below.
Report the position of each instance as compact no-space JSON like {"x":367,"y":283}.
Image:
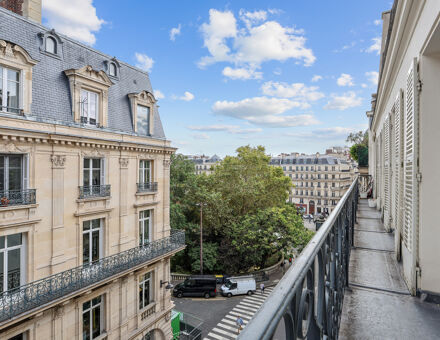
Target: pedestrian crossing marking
{"x":243,"y":311}
{"x":221,"y":331}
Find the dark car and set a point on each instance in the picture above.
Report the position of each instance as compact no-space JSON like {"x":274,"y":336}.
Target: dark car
{"x":197,"y":285}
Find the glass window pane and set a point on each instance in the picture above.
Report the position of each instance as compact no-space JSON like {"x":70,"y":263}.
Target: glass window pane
{"x":95,"y":245}
{"x":86,"y":248}
{"x":86,"y":326}
{"x":96,"y":163}
{"x":2,"y":242}
{"x":86,"y":163}
{"x":2,"y":271}
{"x":96,"y":315}
{"x":84,"y":104}
{"x":143,"y":120}
{"x":86,"y":225}
{"x":51,"y":45}
{"x":86,"y":305}
{"x":95,"y":223}
{"x":141,"y":296}
{"x":147,"y":293}
{"x":13,"y":269}
{"x":96,"y":177}
{"x":96,"y":300}
{"x":1,"y":88}
{"x":13,"y":91}
{"x":92,"y":106}
{"x":14,"y":240}
{"x":13,"y":76}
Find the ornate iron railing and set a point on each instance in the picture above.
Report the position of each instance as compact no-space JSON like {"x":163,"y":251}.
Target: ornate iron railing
{"x":18,"y":197}
{"x":94,"y":191}
{"x":41,"y":292}
{"x":147,"y":187}
{"x":309,"y":296}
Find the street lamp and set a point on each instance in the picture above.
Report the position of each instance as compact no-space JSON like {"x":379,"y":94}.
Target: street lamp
{"x":201,"y":205}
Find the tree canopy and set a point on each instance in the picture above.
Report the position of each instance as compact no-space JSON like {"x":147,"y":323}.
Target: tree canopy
{"x":246,"y":219}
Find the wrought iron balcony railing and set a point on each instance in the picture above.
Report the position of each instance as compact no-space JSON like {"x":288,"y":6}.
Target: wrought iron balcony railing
{"x":309,"y":297}
{"x":38,"y":293}
{"x":93,"y":191}
{"x":147,"y":187}
{"x":18,"y":197}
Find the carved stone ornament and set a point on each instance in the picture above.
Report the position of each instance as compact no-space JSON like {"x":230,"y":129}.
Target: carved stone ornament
{"x":58,"y":312}
{"x":10,"y":147}
{"x":12,"y":52}
{"x":123,"y":162}
{"x":166,"y":163}
{"x":58,"y":161}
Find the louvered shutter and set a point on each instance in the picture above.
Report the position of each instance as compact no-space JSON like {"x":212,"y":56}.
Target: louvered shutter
{"x":398,"y":152}
{"x":386,"y":173}
{"x":25,"y":171}
{"x":410,"y":158}
{"x":103,"y":171}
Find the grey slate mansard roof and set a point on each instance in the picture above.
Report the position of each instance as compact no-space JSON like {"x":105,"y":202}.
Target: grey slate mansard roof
{"x":50,"y":87}
{"x":306,"y":160}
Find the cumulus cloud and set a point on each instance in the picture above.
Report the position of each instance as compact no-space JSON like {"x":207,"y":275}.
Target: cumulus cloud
{"x":343,"y":102}
{"x":144,"y":62}
{"x":75,"y":18}
{"x":345,"y":80}
{"x":235,"y":129}
{"x":200,"y":135}
{"x":174,"y":32}
{"x":373,"y":77}
{"x":375,"y":46}
{"x":257,"y":42}
{"x":330,"y":133}
{"x":264,"y":111}
{"x":377,"y":22}
{"x":316,"y":78}
{"x":187,"y":96}
{"x":158,"y":94}
{"x":241,"y":73}
{"x":294,"y":90}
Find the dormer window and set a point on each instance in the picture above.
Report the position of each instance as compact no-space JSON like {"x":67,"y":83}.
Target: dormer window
{"x":9,"y":90}
{"x":112,"y":70}
{"x":89,"y":107}
{"x":51,"y":45}
{"x":142,"y":106}
{"x":143,"y":120}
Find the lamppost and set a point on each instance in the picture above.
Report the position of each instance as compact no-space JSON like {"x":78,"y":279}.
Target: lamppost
{"x":201,"y":205}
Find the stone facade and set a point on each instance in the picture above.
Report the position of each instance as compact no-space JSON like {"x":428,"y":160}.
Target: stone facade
{"x":319,"y":181}
{"x":72,"y":174}
{"x":204,"y":164}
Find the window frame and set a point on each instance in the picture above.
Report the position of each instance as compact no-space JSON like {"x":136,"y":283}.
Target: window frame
{"x":5,"y":82}
{"x":55,"y":45}
{"x":102,"y":315}
{"x":23,"y":253}
{"x":90,"y":236}
{"x":144,"y":99}
{"x":142,"y":280}
{"x":89,"y":105}
{"x":141,"y":229}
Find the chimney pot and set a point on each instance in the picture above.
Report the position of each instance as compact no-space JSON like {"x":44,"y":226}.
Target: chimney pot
{"x":30,"y":9}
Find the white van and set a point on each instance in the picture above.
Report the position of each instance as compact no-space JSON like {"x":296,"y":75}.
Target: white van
{"x":239,"y":285}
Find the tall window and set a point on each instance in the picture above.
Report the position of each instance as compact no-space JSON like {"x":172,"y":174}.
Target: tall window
{"x":92,"y":241}
{"x":11,"y":262}
{"x":149,"y":336}
{"x":93,"y":172}
{"x":93,"y":318}
{"x":9,"y":90}
{"x":12,"y":172}
{"x":145,"y":290}
{"x":89,"y":107}
{"x":112,"y":69}
{"x":51,"y":45}
{"x":143,"y":120}
{"x":145,"y":217}
{"x":145,"y":171}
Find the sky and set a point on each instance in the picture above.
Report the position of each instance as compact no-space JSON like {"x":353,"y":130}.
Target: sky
{"x":293,"y":76}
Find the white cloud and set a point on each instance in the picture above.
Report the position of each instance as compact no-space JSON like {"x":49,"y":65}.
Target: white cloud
{"x":200,"y":135}
{"x":227,"y":128}
{"x":174,"y":32}
{"x":344,"y":101}
{"x":255,"y":43}
{"x":375,"y":47}
{"x":241,"y":73}
{"x":277,"y":71}
{"x":345,"y":80}
{"x":294,"y":90}
{"x":373,"y":77}
{"x":75,"y":18}
{"x":330,"y":133}
{"x":144,"y":62}
{"x":377,"y":22}
{"x":316,"y":78}
{"x":187,"y":96}
{"x":264,"y":111}
{"x":158,"y":94}
{"x":364,"y":86}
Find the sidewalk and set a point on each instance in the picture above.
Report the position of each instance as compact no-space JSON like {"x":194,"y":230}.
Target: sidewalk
{"x":377,"y":304}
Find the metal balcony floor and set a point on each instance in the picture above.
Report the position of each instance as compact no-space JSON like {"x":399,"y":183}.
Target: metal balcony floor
{"x":377,"y":304}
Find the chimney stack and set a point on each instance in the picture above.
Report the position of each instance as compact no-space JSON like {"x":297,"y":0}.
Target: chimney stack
{"x":30,"y":9}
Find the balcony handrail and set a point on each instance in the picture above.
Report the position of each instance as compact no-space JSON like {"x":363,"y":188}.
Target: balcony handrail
{"x":314,"y":285}
{"x":147,"y":187}
{"x":89,"y":191}
{"x":18,"y":197}
{"x":41,"y":292}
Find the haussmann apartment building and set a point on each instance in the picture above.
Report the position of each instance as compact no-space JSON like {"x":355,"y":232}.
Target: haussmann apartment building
{"x":85,"y":239}
{"x":404,"y":140}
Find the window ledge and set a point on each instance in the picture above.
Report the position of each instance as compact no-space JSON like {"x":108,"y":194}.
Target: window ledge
{"x":102,"y":336}
{"x":144,"y":193}
{"x":150,"y":305}
{"x":90,"y":199}
{"x":17,"y":207}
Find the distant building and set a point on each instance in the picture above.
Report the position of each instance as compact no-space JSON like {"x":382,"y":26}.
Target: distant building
{"x":204,"y":164}
{"x":319,"y":180}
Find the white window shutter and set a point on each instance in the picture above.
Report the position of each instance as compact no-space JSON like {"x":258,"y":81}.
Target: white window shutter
{"x":103,"y":171}
{"x":398,"y":161}
{"x":410,"y":158}
{"x":25,"y":171}
{"x":386,"y":173}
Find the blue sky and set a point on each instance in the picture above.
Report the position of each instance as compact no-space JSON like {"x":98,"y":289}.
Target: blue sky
{"x":294,"y":76}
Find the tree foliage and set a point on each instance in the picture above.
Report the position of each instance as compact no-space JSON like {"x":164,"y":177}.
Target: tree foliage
{"x":359,"y":149}
{"x":245,"y":215}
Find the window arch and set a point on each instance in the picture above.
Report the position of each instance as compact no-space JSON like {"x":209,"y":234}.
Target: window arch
{"x":51,"y":45}
{"x":112,"y":70}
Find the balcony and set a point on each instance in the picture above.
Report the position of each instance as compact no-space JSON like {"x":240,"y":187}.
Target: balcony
{"x":94,"y":191}
{"x":346,"y":284}
{"x":147,"y":187}
{"x":45,"y":293}
{"x":17,"y":197}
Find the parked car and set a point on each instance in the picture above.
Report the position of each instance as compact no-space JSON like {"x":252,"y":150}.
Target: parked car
{"x":197,"y":285}
{"x":239,"y":285}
